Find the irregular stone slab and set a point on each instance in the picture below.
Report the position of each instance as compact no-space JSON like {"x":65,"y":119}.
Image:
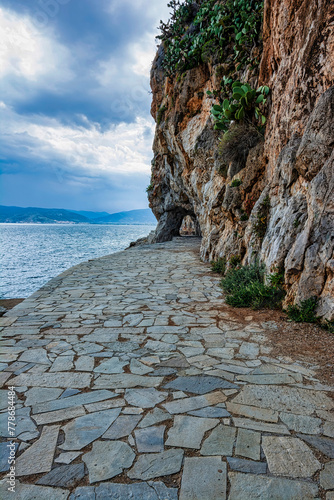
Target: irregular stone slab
{"x":233,"y":368}
{"x":135,"y":491}
{"x":105,"y":405}
{"x":273,"y":379}
{"x":59,"y":415}
{"x":327,"y":476}
{"x":144,"y":398}
{"x":188,"y":432}
{"x":328,"y":429}
{"x":301,"y":423}
{"x":41,"y":395}
{"x":38,"y":457}
{"x":200,"y":384}
{"x":23,"y":424}
{"x":123,"y":426}
{"x":220,"y":442}
{"x":292,"y":399}
{"x":65,"y":476}
{"x":155,"y":416}
{"x":67,"y":458}
{"x":35,"y":356}
{"x":32,"y":492}
{"x":175,"y":362}
{"x":6,"y":449}
{"x":325,"y":445}
{"x":210,"y":412}
{"x":191,"y":351}
{"x":69,"y":392}
{"x":188,"y":404}
{"x":249,"y":350}
{"x":72,"y":401}
{"x":288,"y":456}
{"x":138,"y":368}
{"x":84,"y":364}
{"x":126,"y":381}
{"x":253,"y":412}
{"x":83,"y":430}
{"x":62,"y":364}
{"x":246,"y":423}
{"x":108,"y":459}
{"x":83,"y":493}
{"x":63,"y":379}
{"x":157,"y":464}
{"x":163,"y":493}
{"x":113,"y":365}
{"x":87,"y":348}
{"x":251,"y":487}
{"x":203,"y":476}
{"x":248,"y":444}
{"x":221,"y":352}
{"x":249,"y":466}
{"x":150,"y":439}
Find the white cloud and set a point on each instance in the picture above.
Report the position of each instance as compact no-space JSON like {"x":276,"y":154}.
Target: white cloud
{"x":122,"y":149}
{"x":27,"y":53}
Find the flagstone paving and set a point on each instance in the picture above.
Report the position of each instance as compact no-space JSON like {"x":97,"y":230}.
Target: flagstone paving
{"x":135,"y":381}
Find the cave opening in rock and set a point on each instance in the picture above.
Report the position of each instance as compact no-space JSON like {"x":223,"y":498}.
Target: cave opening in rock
{"x":190,"y":226}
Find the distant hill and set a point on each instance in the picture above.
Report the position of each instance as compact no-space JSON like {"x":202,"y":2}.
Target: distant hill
{"x":39,"y":215}
{"x":137,"y":217}
{"x":61,"y":216}
{"x":90,"y":215}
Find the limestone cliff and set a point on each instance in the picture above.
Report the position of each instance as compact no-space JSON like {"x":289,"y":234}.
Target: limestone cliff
{"x":287,"y":179}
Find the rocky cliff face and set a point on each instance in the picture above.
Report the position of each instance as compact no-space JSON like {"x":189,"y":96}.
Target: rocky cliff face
{"x":282,"y":211}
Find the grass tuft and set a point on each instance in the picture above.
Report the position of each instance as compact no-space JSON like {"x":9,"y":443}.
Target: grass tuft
{"x":245,"y":287}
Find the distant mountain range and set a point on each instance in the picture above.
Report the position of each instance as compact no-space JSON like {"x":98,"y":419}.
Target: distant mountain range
{"x":34,"y":215}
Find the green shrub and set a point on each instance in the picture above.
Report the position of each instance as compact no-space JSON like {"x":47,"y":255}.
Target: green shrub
{"x":276,"y":279}
{"x":245,"y":287}
{"x":149,"y":188}
{"x":207,"y":30}
{"x":160,"y":114}
{"x":235,"y":260}
{"x":261,"y":223}
{"x":239,"y":103}
{"x":235,"y":144}
{"x":329,"y":326}
{"x":219,"y":266}
{"x":304,"y":312}
{"x":236,"y":183}
{"x":244,"y":217}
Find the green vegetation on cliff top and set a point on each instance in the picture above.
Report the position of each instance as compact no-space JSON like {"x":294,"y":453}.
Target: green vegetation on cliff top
{"x":227,"y":31}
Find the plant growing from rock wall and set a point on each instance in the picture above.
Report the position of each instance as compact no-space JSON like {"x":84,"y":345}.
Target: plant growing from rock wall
{"x":219,"y":266}
{"x":304,"y":312}
{"x":262,"y":215}
{"x":161,"y":113}
{"x":236,"y":183}
{"x":245,"y":287}
{"x":209,"y":29}
{"x":149,"y":188}
{"x":235,"y":260}
{"x":241,"y":103}
{"x":236,"y":143}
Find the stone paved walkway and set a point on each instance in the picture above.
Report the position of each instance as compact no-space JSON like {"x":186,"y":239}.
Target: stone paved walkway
{"x":135,"y":381}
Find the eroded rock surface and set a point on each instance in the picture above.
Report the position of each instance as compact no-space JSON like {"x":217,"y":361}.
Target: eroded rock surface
{"x":293,"y":167}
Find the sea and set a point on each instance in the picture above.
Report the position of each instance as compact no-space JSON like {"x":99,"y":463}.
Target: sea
{"x":32,"y":254}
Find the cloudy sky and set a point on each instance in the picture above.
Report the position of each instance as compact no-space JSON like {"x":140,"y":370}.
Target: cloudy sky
{"x":75,"y":126}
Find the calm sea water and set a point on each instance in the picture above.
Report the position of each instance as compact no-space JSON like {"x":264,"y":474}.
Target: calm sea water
{"x":32,"y":254}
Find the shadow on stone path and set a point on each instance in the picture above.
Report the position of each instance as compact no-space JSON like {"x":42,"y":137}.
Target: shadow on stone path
{"x":135,"y":381}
